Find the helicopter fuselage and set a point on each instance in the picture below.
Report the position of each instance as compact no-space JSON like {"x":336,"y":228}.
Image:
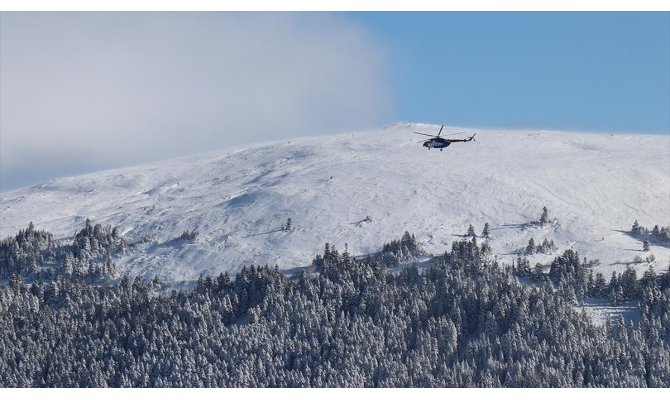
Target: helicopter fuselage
{"x":436,"y":143}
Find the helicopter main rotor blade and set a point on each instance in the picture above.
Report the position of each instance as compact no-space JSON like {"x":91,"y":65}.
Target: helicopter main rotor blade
{"x":455,"y":133}
{"x":438,"y":133}
{"x":424,"y":134}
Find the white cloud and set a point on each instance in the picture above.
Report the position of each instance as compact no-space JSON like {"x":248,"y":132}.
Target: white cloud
{"x":86,"y":91}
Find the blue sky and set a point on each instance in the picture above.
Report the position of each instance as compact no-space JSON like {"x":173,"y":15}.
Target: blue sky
{"x":572,"y":71}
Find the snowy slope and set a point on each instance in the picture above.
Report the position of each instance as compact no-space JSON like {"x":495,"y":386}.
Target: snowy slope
{"x":595,"y":184}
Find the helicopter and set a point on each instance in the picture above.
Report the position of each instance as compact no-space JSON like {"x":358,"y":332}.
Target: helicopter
{"x":438,"y":142}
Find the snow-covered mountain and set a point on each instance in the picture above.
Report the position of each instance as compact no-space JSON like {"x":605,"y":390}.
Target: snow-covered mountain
{"x":595,"y":185}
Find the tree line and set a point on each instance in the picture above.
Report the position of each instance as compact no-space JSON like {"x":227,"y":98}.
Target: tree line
{"x":464,"y":322}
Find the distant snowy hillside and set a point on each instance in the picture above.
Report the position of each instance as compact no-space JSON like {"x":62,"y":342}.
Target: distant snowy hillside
{"x":596,"y":185}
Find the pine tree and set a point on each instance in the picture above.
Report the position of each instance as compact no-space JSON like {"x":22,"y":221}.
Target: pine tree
{"x":646,"y":246}
{"x":656,"y":231}
{"x":485,"y":231}
{"x":616,"y":296}
{"x":636,"y":228}
{"x":545,"y":247}
{"x":544,"y":218}
{"x":590,"y":284}
{"x":614,"y":281}
{"x":600,"y":285}
{"x":471,"y":231}
{"x":665,"y":280}
{"x":664,"y":234}
{"x":530,"y":249}
{"x":649,"y":278}
{"x":629,"y":283}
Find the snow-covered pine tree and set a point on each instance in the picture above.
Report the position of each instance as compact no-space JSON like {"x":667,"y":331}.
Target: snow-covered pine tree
{"x":636,"y":228}
{"x":656,"y":231}
{"x":599,"y":285}
{"x":486,"y":231}
{"x":544,"y":218}
{"x":530,"y":248}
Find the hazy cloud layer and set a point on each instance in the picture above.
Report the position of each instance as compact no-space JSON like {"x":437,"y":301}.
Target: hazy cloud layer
{"x":86,"y":91}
